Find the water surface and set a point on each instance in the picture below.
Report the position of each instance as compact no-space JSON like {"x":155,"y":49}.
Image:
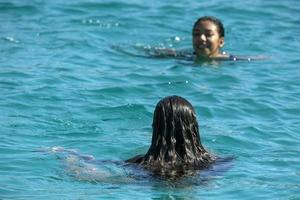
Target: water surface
{"x":63,"y":84}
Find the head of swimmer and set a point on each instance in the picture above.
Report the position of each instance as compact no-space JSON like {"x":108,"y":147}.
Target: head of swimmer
{"x":208,"y":37}
{"x":175,"y":131}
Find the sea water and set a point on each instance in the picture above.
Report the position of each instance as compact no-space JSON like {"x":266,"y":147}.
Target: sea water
{"x":75,"y":80}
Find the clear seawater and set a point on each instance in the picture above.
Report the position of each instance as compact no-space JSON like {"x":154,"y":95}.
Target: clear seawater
{"x":74,"y":75}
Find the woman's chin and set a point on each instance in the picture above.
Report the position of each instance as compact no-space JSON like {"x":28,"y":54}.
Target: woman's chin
{"x":203,"y":55}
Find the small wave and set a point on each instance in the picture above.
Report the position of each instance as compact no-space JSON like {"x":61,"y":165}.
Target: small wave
{"x":11,"y":39}
{"x":23,"y":9}
{"x":100,"y":22}
{"x":110,"y":5}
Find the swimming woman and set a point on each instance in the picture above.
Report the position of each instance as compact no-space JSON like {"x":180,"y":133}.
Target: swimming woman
{"x":208,"y":38}
{"x":176,"y":147}
{"x":175,"y":150}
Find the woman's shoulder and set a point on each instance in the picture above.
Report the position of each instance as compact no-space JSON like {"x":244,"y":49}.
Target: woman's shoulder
{"x":245,"y":58}
{"x":222,"y":164}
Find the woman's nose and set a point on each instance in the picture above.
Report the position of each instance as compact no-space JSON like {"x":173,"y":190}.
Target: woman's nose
{"x":202,"y":37}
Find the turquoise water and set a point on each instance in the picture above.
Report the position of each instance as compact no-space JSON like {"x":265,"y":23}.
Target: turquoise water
{"x":64,"y":84}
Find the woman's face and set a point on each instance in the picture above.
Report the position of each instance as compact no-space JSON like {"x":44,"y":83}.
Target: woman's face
{"x":206,"y":39}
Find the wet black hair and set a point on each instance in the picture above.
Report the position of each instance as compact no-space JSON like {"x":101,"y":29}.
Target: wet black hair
{"x":176,"y":147}
{"x":214,"y":20}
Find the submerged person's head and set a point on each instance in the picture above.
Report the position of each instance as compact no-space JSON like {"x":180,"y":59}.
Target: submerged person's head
{"x":208,"y":37}
{"x":176,"y":144}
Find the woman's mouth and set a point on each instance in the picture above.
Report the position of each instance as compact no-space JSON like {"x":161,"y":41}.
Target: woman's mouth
{"x":202,"y":46}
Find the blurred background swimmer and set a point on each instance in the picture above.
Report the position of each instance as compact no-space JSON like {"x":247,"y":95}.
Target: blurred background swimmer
{"x":208,"y":39}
